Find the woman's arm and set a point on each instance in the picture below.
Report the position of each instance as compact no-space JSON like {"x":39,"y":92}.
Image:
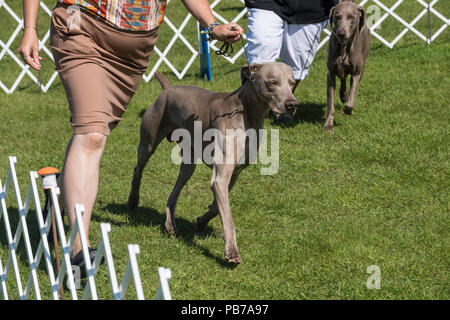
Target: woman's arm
{"x":29,"y":46}
{"x":201,"y":11}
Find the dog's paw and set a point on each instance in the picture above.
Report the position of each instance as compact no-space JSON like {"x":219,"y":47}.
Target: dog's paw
{"x":170,"y":230}
{"x":232,"y":256}
{"x":328,"y":127}
{"x":347,"y":110}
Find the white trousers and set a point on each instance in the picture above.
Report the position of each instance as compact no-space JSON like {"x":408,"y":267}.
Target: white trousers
{"x":270,"y":38}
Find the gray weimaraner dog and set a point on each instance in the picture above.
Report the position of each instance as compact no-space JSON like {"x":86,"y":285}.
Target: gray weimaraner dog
{"x":264,"y":86}
{"x":347,"y":54}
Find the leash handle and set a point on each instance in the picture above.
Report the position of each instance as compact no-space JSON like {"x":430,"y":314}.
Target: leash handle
{"x":226,"y":49}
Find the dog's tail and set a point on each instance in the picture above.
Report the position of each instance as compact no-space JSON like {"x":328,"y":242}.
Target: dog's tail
{"x":162,"y":80}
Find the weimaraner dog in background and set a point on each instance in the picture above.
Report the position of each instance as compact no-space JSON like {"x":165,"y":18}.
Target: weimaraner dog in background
{"x":348,"y":49}
{"x":264,"y":86}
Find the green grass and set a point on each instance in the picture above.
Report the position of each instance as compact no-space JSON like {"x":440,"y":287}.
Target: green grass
{"x":374,"y":191}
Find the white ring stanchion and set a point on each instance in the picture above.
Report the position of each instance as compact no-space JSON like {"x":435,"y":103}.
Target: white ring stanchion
{"x":44,"y":251}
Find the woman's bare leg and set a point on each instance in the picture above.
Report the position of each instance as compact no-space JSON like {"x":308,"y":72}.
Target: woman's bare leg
{"x":79,"y":177}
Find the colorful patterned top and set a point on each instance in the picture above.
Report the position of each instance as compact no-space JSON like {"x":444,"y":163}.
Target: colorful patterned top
{"x":134,"y":15}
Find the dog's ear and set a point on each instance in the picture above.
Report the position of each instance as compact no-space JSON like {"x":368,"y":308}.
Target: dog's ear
{"x":245,"y":73}
{"x":362,"y":19}
{"x":332,"y":17}
{"x":248,"y":72}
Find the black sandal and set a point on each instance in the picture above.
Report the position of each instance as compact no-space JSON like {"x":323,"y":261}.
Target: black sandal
{"x":78,"y":261}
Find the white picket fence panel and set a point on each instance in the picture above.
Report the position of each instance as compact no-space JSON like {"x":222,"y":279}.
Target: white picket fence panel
{"x":43,"y":250}
{"x":192,"y":48}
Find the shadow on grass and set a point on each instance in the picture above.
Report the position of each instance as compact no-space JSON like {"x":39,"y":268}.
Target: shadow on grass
{"x":186,"y":230}
{"x":307,"y":112}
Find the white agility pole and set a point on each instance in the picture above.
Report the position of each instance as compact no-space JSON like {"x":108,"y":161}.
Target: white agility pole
{"x":4,"y":291}
{"x":48,"y":175}
{"x":43,"y":247}
{"x":106,"y":248}
{"x":132,"y":271}
{"x":22,"y":228}
{"x":79,"y":211}
{"x":66,"y":266}
{"x":12,"y":257}
{"x":163,"y":293}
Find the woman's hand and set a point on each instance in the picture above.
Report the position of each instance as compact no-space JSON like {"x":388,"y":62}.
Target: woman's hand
{"x":230,"y":32}
{"x":29,"y":48}
{"x":202,"y":12}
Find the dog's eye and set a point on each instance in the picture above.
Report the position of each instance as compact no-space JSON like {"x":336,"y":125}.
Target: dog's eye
{"x":338,"y":18}
{"x":292,"y":83}
{"x":271,"y":85}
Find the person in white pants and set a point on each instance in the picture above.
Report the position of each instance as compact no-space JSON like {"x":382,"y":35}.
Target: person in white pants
{"x":286,"y":29}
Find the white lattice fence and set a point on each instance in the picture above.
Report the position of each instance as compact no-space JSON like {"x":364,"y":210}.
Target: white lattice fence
{"x":190,"y":47}
{"x":43,"y":250}
{"x":390,"y":12}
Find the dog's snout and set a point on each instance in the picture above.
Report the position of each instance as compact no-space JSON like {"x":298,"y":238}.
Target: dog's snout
{"x":291,"y":102}
{"x":341,"y":33}
{"x":291,"y":105}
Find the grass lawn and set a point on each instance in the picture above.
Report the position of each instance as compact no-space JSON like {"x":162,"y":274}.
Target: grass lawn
{"x":375,"y":191}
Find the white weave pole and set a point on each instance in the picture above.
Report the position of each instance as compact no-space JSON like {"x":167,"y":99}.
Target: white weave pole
{"x":66,"y":265}
{"x":132,"y":270}
{"x":22,"y":229}
{"x":105,"y":229}
{"x":4,"y":291}
{"x":79,"y":211}
{"x":163,"y":293}
{"x":43,"y":247}
{"x":12,"y":257}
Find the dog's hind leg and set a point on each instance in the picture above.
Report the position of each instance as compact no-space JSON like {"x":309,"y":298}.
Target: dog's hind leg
{"x":153,"y":130}
{"x":186,"y":171}
{"x":145,"y":151}
{"x":143,"y":156}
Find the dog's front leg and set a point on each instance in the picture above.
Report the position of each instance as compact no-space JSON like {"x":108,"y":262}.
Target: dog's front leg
{"x":348,"y":109}
{"x":219,"y":183}
{"x":213,"y":211}
{"x":343,"y":92}
{"x":331,"y":86}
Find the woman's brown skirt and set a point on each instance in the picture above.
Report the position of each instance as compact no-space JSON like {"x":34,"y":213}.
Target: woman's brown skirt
{"x":99,"y":65}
